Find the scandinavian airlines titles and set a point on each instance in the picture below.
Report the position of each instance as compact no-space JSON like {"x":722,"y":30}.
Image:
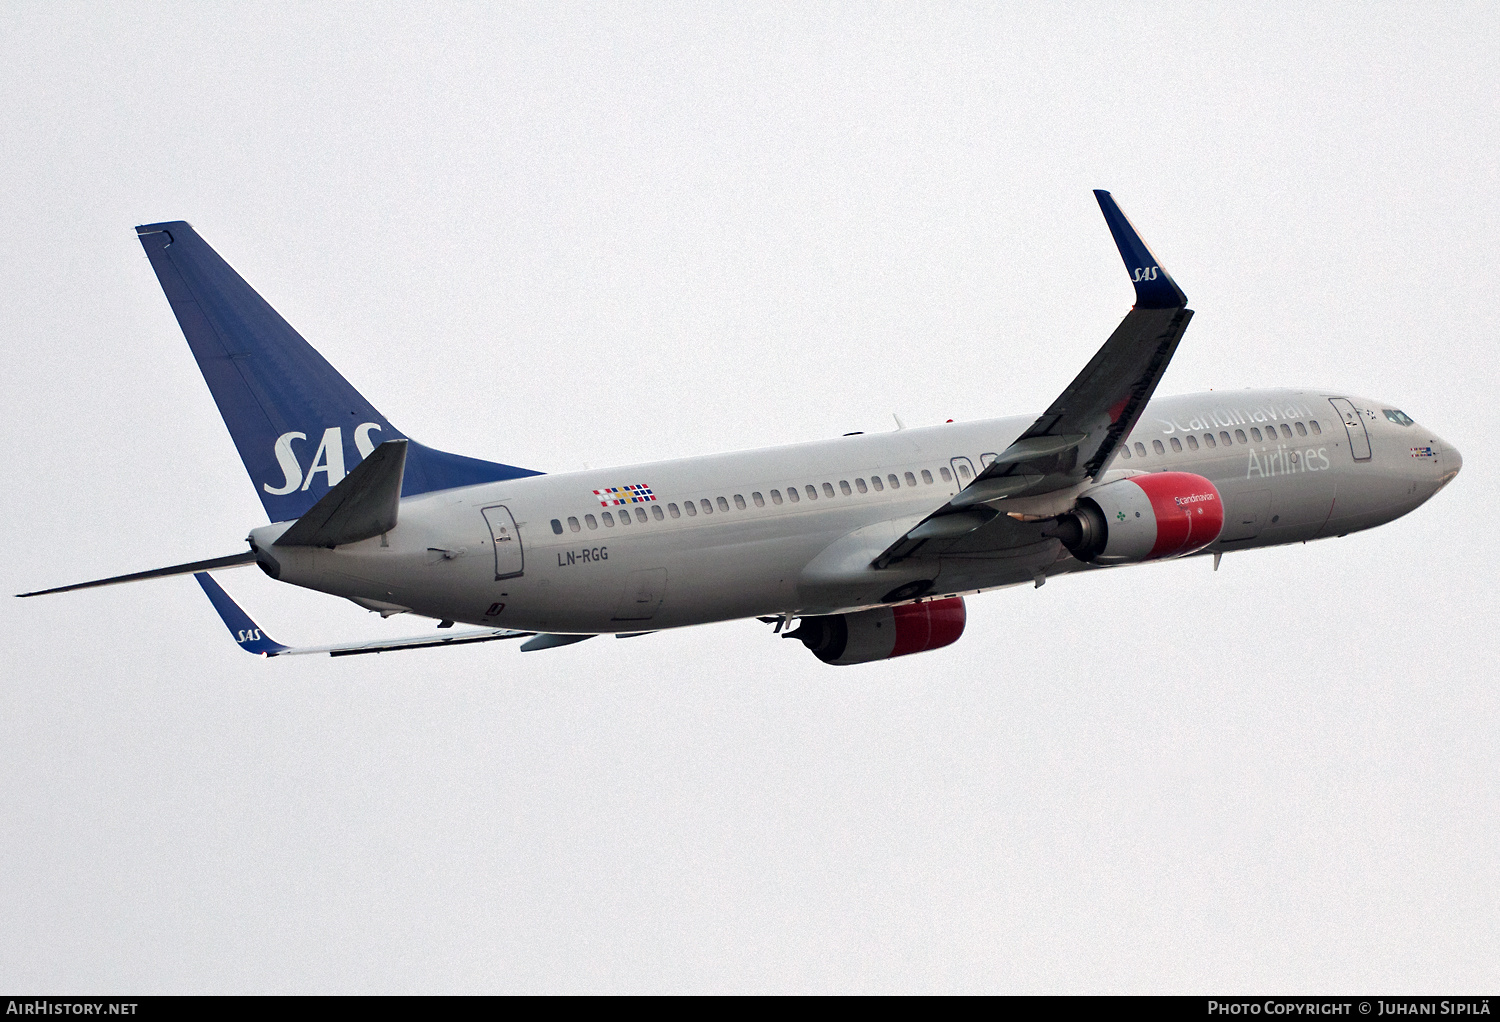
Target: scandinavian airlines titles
{"x":1283,"y":461}
{"x":1220,"y":417}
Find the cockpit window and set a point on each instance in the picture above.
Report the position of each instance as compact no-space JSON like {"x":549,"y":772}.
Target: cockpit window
{"x":1399,"y":418}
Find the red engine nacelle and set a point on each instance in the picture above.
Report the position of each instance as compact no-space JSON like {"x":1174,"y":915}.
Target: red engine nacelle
{"x":1143,"y":518}
{"x":884,"y":632}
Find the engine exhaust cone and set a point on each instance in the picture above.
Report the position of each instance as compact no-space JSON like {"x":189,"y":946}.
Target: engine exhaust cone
{"x":1083,"y":531}
{"x":826,"y":636}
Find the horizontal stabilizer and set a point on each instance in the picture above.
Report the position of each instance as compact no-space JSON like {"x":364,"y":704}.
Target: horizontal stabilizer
{"x":232,"y":561}
{"x":253,"y":638}
{"x":364,"y":503}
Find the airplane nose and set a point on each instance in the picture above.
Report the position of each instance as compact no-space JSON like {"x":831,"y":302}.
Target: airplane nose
{"x":1452,"y":461}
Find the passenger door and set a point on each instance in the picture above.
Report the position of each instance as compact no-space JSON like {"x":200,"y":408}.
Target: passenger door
{"x":1354,"y":425}
{"x":510,"y":560}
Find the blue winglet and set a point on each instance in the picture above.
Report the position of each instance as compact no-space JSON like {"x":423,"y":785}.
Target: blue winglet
{"x":246,"y":632}
{"x":1154,"y":286}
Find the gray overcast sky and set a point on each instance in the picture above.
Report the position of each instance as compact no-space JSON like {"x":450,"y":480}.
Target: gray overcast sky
{"x":553,"y":235}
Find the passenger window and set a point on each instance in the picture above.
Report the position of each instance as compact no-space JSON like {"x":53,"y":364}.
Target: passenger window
{"x":724,"y":504}
{"x":963,"y":472}
{"x":1208,"y":438}
{"x":590,"y":522}
{"x":812,"y":492}
{"x":791,"y":494}
{"x":706,"y":505}
{"x":1224,"y":438}
{"x":1239,"y":435}
{"x":875,"y":482}
{"x":739,"y":502}
{"x":557,"y":526}
{"x":947,"y":476}
{"x":1176,"y":445}
{"x":1192,"y":442}
{"x":609,"y":520}
{"x":859,"y":484}
{"x":844,"y":487}
{"x":828,"y":489}
{"x":1255,"y":433}
{"x":1301,"y":429}
{"x":690,"y":508}
{"x":624,"y":514}
{"x":895,"y":483}
{"x":1286,"y":431}
{"x":927,"y":477}
{"x":656,"y":512}
{"x":672,"y":510}
{"x":759,"y":500}
{"x":640,"y":515}
{"x":573,"y":524}
{"x":1157,"y":447}
{"x":1125,"y":450}
{"x":775,"y":496}
{"x":1140,"y":448}
{"x":911,"y":480}
{"x":1317,"y":430}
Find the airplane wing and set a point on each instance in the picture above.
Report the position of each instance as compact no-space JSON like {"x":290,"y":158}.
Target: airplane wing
{"x":254,"y":639}
{"x":1073,"y":442}
{"x":363,"y":504}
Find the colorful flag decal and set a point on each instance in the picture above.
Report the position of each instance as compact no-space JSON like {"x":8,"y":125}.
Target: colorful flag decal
{"x":636,"y":493}
{"x":1423,"y":452}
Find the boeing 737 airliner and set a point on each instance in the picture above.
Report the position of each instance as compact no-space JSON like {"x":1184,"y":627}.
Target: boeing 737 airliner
{"x":869,"y":542}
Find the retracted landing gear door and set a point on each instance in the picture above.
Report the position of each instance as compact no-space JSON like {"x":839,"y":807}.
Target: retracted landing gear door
{"x":510,"y":561}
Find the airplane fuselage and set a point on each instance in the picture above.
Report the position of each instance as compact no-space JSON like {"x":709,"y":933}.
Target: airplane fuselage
{"x":792,"y":530}
{"x":867,"y":539}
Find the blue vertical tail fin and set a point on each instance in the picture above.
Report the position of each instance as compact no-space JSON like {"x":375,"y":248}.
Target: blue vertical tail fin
{"x":299,"y":425}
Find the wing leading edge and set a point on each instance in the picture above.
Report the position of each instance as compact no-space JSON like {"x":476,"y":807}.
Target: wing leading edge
{"x":1073,"y":442}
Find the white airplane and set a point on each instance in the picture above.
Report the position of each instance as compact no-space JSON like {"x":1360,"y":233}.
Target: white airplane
{"x":871,"y":542}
